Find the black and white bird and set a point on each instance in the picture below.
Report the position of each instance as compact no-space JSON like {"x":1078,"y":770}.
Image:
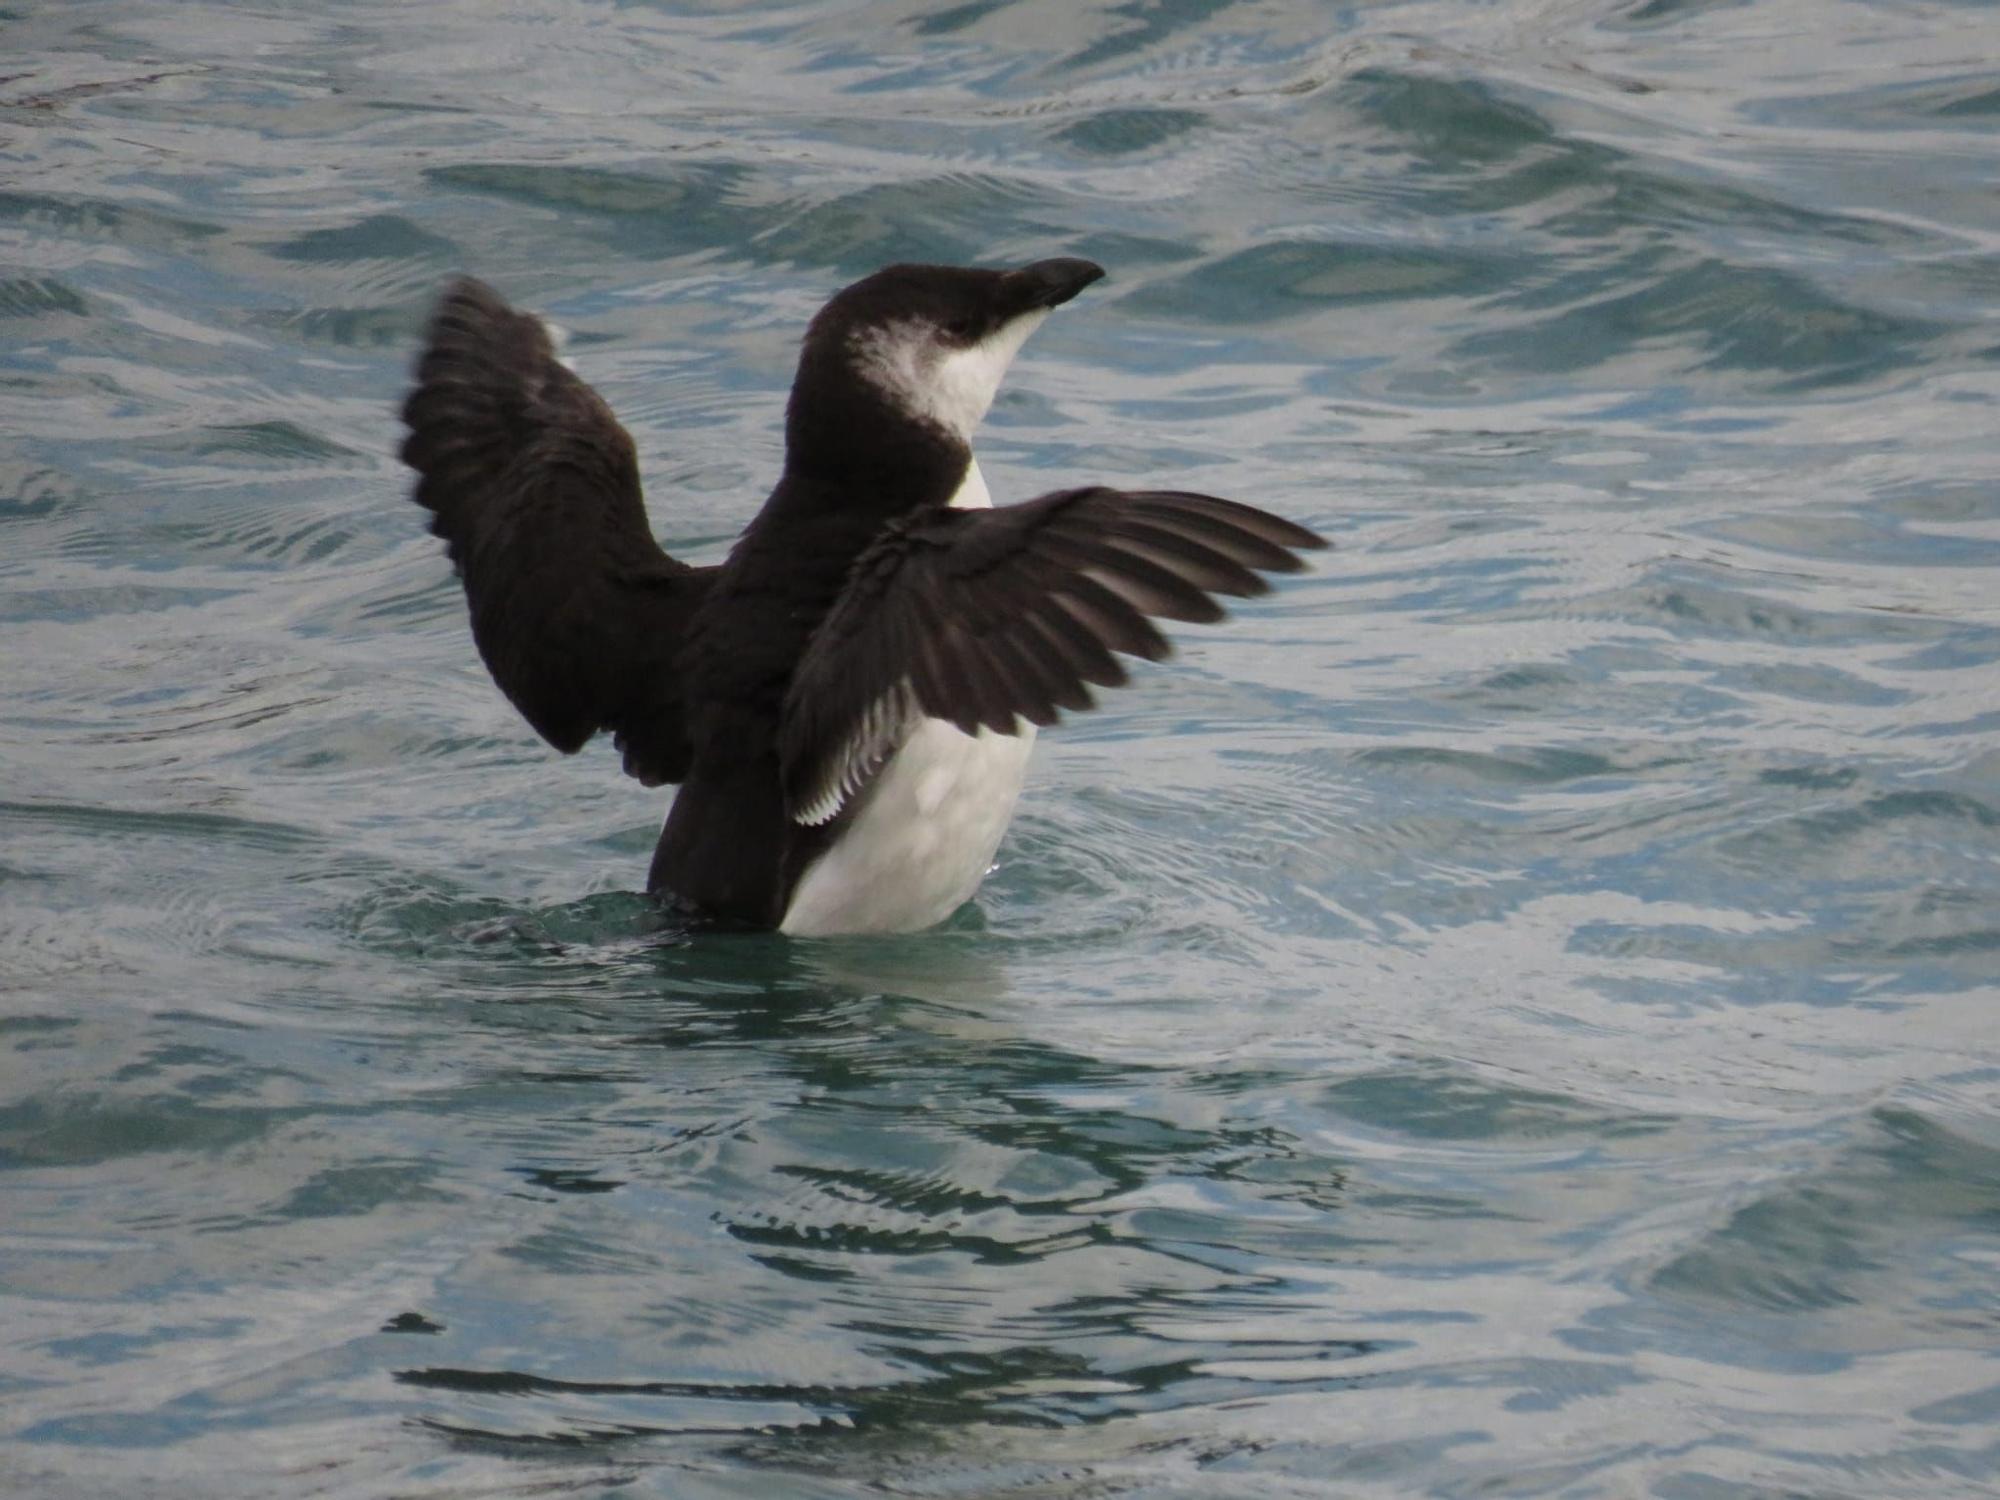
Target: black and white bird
{"x":849,"y":700}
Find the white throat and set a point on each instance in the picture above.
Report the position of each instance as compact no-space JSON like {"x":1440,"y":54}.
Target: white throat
{"x":951,"y":387}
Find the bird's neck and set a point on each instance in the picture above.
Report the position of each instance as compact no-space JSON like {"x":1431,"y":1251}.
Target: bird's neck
{"x":849,"y":439}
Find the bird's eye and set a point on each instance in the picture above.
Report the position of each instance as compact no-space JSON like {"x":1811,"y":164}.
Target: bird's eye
{"x":962,"y":329}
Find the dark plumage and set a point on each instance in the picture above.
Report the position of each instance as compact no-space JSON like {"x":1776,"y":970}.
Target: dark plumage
{"x":980,"y":617}
{"x":534,"y":486}
{"x":781,"y":686}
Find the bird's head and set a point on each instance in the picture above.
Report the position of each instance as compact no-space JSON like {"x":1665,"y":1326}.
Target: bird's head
{"x":920,"y":344}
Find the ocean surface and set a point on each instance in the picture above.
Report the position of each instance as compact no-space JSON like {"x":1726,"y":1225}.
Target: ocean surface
{"x":1516,"y":1012}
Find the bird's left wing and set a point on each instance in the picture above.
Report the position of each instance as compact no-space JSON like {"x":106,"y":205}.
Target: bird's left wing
{"x":987,"y":617}
{"x":534,"y":486}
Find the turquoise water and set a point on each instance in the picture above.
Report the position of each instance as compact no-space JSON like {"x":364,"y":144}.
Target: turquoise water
{"x":1511,"y":1014}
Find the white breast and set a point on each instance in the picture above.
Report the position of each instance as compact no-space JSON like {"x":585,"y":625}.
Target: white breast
{"x":926,"y":829}
{"x":922,"y":838}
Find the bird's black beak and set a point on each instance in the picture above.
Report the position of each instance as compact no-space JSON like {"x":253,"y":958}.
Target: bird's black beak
{"x":1050,"y":283}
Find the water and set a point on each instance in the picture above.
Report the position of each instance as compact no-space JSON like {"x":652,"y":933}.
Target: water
{"x":1510,"y":1014}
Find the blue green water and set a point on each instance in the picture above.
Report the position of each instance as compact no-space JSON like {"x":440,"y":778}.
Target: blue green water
{"x":1514,"y":1013}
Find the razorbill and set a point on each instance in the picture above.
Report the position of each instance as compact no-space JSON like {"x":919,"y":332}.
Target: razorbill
{"x":849,"y":700}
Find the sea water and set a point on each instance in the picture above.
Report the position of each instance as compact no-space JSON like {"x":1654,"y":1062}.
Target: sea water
{"x":1513,"y":1012}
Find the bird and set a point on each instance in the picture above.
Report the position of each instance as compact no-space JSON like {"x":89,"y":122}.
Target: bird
{"x":848,"y":700}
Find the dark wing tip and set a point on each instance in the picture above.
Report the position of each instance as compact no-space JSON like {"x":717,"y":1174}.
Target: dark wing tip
{"x":1273,"y":540}
{"x":464,"y":295}
{"x":987,"y":617}
{"x":473,"y":335}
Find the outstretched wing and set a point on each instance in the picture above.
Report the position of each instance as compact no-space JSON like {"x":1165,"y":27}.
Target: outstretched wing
{"x":535,"y":489}
{"x":985,"y":617}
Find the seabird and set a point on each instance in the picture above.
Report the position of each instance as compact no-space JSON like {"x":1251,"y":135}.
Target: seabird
{"x":848,"y":701}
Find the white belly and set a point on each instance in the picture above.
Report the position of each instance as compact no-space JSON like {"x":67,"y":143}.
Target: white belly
{"x":922,"y":838}
{"x":928,"y":825}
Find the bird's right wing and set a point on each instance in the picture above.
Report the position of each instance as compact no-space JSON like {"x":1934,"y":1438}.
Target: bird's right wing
{"x":534,"y":487}
{"x":986,"y":617}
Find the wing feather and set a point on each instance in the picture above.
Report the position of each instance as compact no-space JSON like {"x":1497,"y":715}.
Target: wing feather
{"x":534,"y":487}
{"x":988,"y":617}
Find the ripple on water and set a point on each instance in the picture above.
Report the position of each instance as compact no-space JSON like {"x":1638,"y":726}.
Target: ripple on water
{"x":923,"y":1229}
{"x":414,"y":919}
{"x":1817,"y":1248}
{"x":692,"y":207}
{"x":1281,"y":282}
{"x":1127,"y":132}
{"x":1508,"y":1014}
{"x":39,"y":300}
{"x":37,"y":493}
{"x":88,"y":218}
{"x":385,"y":238}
